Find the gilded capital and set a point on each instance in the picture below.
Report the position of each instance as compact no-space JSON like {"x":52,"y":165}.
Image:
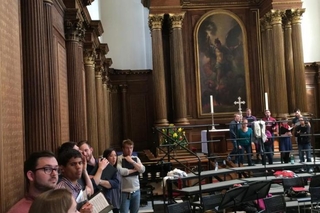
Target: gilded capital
{"x":176,"y":19}
{"x":98,"y":72}
{"x":296,"y":15}
{"x":89,"y":57}
{"x":276,"y":16}
{"x":267,"y":21}
{"x":74,"y":30}
{"x":155,"y":21}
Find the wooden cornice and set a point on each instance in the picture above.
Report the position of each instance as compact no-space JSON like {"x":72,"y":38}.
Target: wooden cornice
{"x":128,"y":72}
{"x":97,"y":26}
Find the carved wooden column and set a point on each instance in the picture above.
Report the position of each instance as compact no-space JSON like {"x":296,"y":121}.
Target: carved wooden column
{"x":38,"y":126}
{"x":289,"y":63}
{"x":91,"y":97}
{"x":178,"y":71}
{"x":269,"y":62}
{"x":53,"y":76}
{"x":101,"y":51}
{"x":265,"y":58}
{"x":107,"y":108}
{"x":159,"y":87}
{"x":279,"y":81}
{"x":298,"y":62}
{"x":77,"y":115}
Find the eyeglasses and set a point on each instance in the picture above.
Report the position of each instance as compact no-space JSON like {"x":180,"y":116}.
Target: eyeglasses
{"x":48,"y":170}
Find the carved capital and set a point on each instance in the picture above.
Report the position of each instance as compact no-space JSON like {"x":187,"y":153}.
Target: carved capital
{"x":74,"y":30}
{"x":98,"y":71}
{"x":267,"y":21}
{"x":155,"y":21}
{"x":89,"y":56}
{"x":276,"y":16}
{"x":176,"y":19}
{"x":296,"y":15}
{"x":286,"y":22}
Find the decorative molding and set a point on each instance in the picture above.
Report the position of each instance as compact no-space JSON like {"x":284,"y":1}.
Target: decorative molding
{"x":155,"y":21}
{"x":74,"y":30}
{"x":128,"y":72}
{"x":176,"y":19}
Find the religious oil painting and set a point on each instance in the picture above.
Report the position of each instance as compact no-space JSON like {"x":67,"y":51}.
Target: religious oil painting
{"x":221,"y":62}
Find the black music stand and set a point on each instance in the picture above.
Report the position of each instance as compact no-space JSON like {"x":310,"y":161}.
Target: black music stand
{"x":257,"y":190}
{"x":233,"y":197}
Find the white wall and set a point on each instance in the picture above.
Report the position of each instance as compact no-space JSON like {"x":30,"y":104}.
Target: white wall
{"x":126,"y":31}
{"x":311,"y":31}
{"x":94,"y":10}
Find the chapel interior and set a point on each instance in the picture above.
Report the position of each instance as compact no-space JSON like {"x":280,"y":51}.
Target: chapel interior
{"x":59,"y":84}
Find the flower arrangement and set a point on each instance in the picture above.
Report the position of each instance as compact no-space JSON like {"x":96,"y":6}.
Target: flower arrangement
{"x":173,"y":135}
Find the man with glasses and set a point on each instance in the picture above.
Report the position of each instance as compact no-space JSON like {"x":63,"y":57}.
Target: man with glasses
{"x":41,"y":171}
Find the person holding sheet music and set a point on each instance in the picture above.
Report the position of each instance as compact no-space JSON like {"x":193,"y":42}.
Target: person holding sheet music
{"x":285,"y":145}
{"x":113,"y":185}
{"x":304,"y":142}
{"x":271,"y":126}
{"x":129,"y":168}
{"x":244,"y":139}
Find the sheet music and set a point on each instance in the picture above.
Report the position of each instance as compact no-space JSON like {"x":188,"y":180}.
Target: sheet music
{"x":82,"y":196}
{"x":99,"y":203}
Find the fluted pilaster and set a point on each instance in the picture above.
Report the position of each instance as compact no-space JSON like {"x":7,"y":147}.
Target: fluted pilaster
{"x":77,"y":115}
{"x":53,"y":76}
{"x":289,"y":62}
{"x":106,"y":100}
{"x":38,"y":125}
{"x":178,"y":71}
{"x":264,"y":58}
{"x":91,"y":97}
{"x":279,"y":81}
{"x":100,"y":109}
{"x":159,"y":87}
{"x":298,"y":62}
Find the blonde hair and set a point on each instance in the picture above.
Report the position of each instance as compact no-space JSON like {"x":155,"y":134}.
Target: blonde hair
{"x":52,"y":201}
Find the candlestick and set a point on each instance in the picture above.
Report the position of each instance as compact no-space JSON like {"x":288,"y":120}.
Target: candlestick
{"x":266,"y":100}
{"x":211,"y":104}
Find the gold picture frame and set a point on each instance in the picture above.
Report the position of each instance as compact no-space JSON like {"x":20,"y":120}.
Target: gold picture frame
{"x":221,"y":61}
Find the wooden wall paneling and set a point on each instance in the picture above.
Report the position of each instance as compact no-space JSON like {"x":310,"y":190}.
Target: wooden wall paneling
{"x":11,"y":106}
{"x":139,"y":104}
{"x":140,"y":111}
{"x":116,"y":119}
{"x":63,"y":92}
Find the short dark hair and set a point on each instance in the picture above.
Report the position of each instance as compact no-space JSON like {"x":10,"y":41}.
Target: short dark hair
{"x":65,"y":146}
{"x":32,"y":162}
{"x":66,"y":155}
{"x":127,"y":142}
{"x":80,"y":143}
{"x":297,"y":109}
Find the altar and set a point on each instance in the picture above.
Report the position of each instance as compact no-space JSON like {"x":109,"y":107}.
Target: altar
{"x":220,"y":146}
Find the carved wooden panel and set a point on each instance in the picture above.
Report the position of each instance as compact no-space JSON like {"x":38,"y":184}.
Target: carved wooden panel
{"x":11,"y":107}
